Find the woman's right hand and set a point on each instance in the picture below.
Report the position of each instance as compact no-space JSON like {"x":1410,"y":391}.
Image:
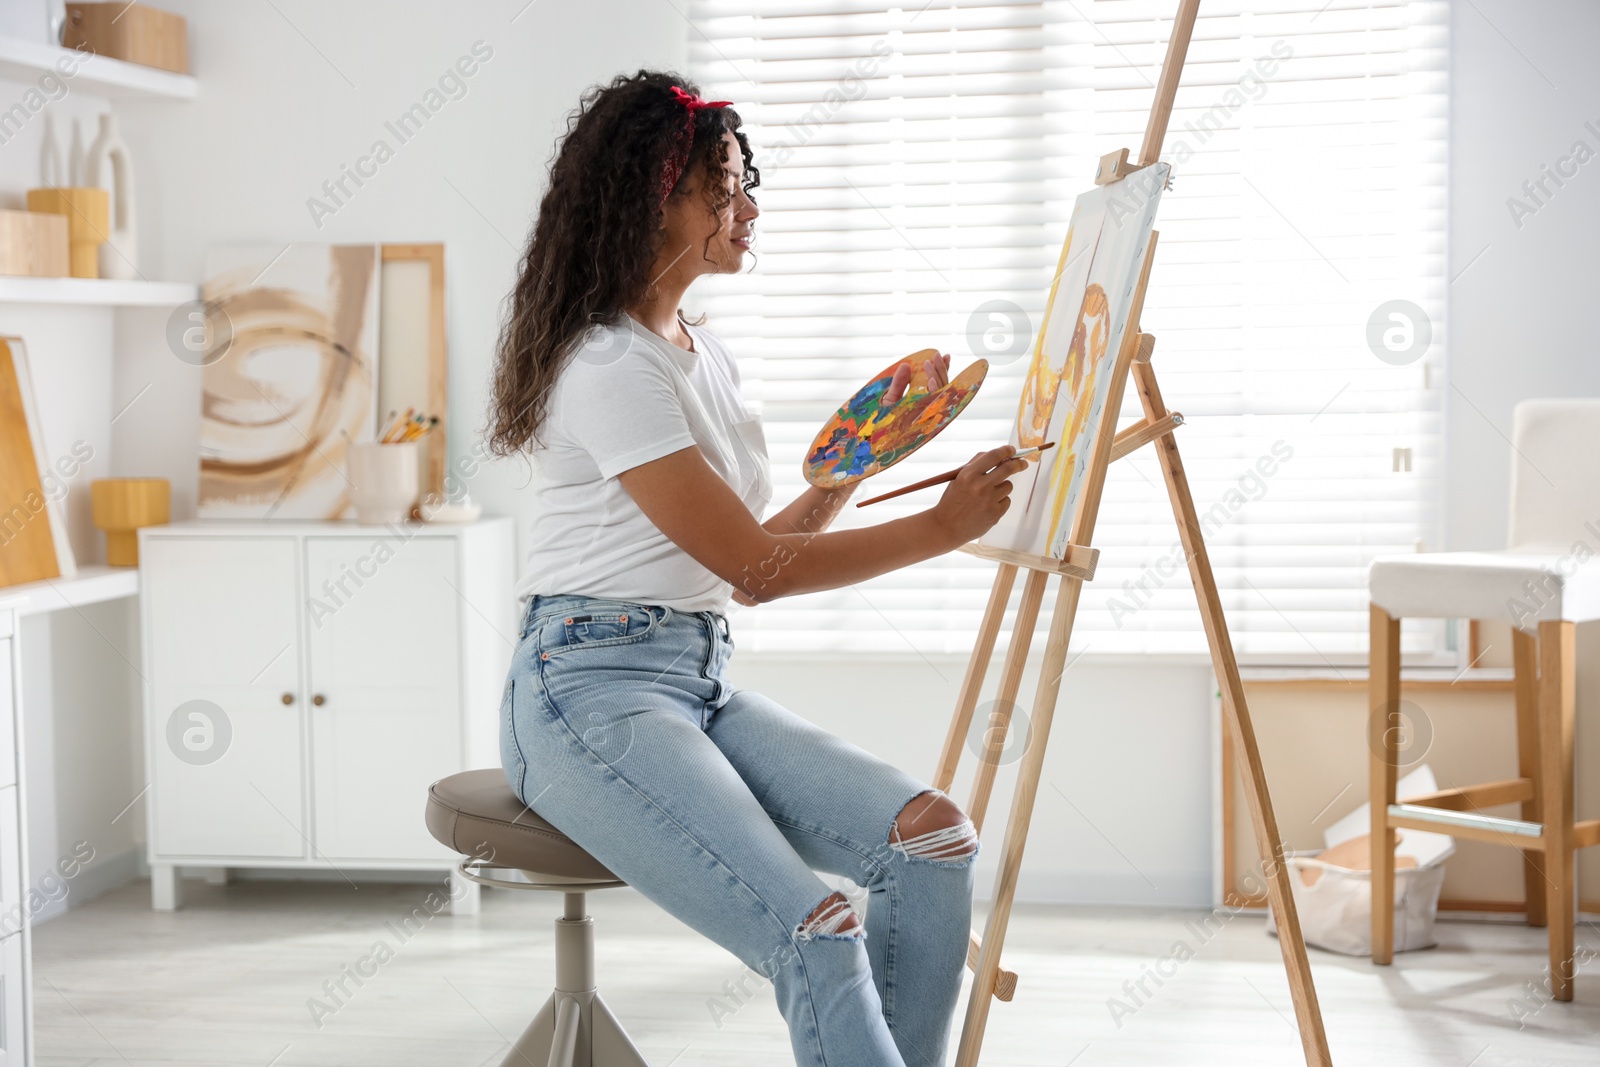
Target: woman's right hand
{"x":978,"y":496}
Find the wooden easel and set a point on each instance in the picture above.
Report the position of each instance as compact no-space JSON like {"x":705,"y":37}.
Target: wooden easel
{"x":1157,"y":428}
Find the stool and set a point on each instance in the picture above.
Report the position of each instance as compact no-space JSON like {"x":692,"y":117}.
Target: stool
{"x":477,"y":814}
{"x":1544,"y":583}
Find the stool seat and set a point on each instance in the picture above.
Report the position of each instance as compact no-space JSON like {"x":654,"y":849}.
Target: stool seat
{"x":477,"y":813}
{"x":1523,"y":588}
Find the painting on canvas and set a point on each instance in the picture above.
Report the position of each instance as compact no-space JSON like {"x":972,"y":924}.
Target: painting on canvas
{"x":1069,"y":378}
{"x":289,"y":379}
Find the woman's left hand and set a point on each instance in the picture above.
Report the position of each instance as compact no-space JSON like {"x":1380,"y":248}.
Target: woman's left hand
{"x":936,"y":370}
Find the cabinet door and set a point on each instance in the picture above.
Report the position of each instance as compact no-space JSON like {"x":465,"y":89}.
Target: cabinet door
{"x":383,"y":637}
{"x":221,"y":619}
{"x":8,"y":718}
{"x":13,"y":1021}
{"x":11,"y":889}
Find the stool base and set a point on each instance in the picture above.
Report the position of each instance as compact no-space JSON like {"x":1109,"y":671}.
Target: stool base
{"x":575,"y":1027}
{"x":575,"y":1030}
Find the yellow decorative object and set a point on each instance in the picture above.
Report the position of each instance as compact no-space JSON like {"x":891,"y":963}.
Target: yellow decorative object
{"x":88,"y":212}
{"x":122,"y":506}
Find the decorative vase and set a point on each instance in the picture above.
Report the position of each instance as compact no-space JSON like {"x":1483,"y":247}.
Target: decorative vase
{"x":123,"y":505}
{"x":109,"y":166}
{"x":76,"y":153}
{"x":52,"y":172}
{"x":383,"y":481}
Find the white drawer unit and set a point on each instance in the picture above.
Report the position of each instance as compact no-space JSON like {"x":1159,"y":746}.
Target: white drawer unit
{"x":16,"y":934}
{"x":306,"y":682}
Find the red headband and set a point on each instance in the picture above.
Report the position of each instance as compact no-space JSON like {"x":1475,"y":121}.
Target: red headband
{"x":678,"y":157}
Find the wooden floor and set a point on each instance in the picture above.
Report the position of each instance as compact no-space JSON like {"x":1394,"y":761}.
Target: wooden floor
{"x":227,"y":980}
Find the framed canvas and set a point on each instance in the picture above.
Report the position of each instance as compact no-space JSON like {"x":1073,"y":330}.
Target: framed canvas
{"x":290,"y":380}
{"x":1069,"y":377}
{"x":33,"y":531}
{"x":413,"y":350}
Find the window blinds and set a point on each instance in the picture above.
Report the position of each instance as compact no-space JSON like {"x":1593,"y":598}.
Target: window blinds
{"x":919,"y":167}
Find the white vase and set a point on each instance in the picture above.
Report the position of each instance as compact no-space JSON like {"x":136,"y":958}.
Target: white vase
{"x":76,"y":155}
{"x":108,"y":166}
{"x":52,"y":172}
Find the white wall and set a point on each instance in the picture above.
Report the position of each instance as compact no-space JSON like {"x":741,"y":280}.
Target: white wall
{"x":287,"y":99}
{"x":1523,"y":86}
{"x":1523,"y":83}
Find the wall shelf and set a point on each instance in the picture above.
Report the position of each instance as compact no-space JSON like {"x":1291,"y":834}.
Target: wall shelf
{"x":103,"y":291}
{"x":25,"y":60}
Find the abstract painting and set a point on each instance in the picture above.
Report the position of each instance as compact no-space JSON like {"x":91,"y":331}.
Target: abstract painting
{"x":866,"y":435}
{"x":289,"y":378}
{"x":1069,"y":378}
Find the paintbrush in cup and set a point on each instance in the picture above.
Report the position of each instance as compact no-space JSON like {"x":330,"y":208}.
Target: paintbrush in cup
{"x":947,"y":476}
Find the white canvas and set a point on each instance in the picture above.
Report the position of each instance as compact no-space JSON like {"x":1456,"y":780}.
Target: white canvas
{"x":1068,"y":382}
{"x":296,"y":381}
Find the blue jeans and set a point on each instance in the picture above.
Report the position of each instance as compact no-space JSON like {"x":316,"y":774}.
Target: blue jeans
{"x":620,"y":728}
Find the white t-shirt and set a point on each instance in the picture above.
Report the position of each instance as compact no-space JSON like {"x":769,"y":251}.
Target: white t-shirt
{"x":626,"y":397}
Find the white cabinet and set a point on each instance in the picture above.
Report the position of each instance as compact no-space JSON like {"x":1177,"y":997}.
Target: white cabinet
{"x":221,"y":625}
{"x":306,"y":682}
{"x":16,"y":1000}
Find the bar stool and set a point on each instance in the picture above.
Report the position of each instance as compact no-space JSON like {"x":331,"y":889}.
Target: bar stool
{"x":477,"y":814}
{"x":1545,"y":582}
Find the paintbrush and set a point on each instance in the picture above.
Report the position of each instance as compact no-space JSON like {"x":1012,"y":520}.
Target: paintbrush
{"x":947,"y":476}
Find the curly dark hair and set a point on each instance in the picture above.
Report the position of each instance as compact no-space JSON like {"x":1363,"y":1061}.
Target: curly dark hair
{"x":598,"y":232}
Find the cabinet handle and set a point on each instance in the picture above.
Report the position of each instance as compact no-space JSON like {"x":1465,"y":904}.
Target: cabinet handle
{"x":287,"y":698}
{"x":319,"y":700}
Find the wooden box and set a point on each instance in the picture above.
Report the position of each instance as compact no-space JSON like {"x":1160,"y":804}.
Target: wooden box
{"x":87,"y":211}
{"x":131,"y":32}
{"x":33,"y":243}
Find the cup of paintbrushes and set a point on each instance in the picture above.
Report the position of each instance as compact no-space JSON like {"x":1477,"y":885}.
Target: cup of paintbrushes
{"x":383,"y":481}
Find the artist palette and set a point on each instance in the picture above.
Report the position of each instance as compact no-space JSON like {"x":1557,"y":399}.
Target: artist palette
{"x":866,"y":436}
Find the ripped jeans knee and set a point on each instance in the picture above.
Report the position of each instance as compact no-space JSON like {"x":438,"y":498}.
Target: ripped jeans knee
{"x":834,"y":919}
{"x":936,"y":831}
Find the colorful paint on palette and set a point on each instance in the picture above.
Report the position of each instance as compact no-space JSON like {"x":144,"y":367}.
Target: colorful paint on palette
{"x":866,"y":436}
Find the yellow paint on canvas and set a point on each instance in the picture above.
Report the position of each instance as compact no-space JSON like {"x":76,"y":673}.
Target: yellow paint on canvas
{"x":1084,"y":358}
{"x":1039,"y":387}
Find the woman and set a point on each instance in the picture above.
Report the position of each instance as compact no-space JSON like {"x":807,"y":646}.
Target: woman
{"x":650,"y":479}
